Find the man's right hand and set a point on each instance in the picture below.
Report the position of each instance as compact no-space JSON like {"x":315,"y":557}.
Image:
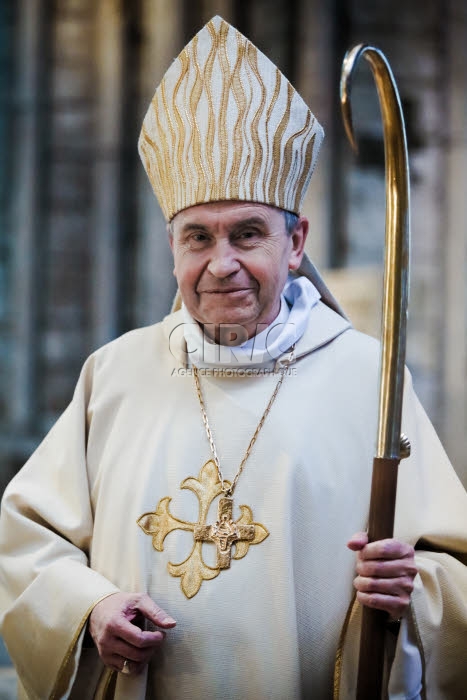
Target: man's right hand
{"x":115,"y":626}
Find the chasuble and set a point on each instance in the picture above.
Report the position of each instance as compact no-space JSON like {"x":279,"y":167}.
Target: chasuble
{"x":112,"y":500}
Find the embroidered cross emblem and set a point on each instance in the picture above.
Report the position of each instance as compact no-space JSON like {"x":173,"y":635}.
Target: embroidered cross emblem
{"x":225,"y":534}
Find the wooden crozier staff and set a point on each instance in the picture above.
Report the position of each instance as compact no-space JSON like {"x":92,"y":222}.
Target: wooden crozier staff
{"x":391,"y":446}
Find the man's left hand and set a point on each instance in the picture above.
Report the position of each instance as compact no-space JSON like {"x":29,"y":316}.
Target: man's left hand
{"x":385,"y":573}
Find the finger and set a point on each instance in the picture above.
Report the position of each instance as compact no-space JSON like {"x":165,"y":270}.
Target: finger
{"x":113,"y":661}
{"x":128,"y":651}
{"x":396,"y":606}
{"x":387,"y":549}
{"x":380,"y":568}
{"x":153,"y":612}
{"x":128,"y":632}
{"x":390,"y":586}
{"x":357,"y":541}
{"x":117,"y":663}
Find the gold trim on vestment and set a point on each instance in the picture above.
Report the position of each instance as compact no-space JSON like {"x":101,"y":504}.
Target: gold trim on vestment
{"x":108,"y":691}
{"x":63,"y":680}
{"x":340,"y":649}
{"x":420,"y":648}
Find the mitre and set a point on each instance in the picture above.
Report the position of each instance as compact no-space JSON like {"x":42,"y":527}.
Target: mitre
{"x":225,"y":124}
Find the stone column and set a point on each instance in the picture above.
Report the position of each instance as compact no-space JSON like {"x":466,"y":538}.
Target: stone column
{"x":106,"y":170}
{"x":24,"y":214}
{"x":315,"y":82}
{"x":162,"y":30}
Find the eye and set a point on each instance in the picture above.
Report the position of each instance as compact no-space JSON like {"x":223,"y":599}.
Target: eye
{"x":198,"y":239}
{"x":247,"y":235}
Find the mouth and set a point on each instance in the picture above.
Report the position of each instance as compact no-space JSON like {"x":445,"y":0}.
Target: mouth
{"x":231,"y":292}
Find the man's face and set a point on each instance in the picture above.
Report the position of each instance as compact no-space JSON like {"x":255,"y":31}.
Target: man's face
{"x":232,"y":260}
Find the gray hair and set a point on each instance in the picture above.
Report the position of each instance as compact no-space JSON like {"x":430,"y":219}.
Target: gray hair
{"x":291,"y":220}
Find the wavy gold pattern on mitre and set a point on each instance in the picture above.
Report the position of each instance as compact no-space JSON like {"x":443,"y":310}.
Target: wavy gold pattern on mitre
{"x":160,"y":523}
{"x":225,"y":124}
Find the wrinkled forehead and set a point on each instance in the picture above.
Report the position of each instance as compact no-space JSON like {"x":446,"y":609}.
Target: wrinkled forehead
{"x":227,"y":214}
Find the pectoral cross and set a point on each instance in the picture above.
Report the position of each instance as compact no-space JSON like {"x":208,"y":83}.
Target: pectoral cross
{"x":224,"y":533}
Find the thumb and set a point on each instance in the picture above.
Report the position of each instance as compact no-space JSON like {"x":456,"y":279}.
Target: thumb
{"x":154,"y":613}
{"x":358,"y":541}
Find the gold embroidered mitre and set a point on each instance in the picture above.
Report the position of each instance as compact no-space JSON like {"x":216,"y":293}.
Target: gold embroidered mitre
{"x":225,"y":124}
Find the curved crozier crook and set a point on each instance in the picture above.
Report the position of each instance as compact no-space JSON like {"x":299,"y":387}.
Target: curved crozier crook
{"x":396,"y":274}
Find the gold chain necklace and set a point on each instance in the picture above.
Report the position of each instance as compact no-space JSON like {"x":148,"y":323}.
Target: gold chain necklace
{"x":227,"y":488}
{"x":226,"y":532}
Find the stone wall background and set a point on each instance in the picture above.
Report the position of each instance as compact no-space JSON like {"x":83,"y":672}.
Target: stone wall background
{"x":83,"y":252}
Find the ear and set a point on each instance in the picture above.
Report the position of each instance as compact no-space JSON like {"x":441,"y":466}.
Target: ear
{"x":298,"y":238}
{"x":170,"y":236}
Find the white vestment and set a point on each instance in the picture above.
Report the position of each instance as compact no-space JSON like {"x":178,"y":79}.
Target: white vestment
{"x":268,"y":627}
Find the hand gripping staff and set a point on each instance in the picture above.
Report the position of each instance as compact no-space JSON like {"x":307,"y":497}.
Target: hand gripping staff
{"x":391,"y":447}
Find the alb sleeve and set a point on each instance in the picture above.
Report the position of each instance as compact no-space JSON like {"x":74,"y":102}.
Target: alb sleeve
{"x":47,"y":588}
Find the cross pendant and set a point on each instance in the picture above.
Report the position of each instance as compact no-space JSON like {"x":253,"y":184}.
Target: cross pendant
{"x":224,"y":533}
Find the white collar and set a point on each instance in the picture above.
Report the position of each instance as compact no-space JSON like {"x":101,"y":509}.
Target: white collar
{"x":299,"y":296}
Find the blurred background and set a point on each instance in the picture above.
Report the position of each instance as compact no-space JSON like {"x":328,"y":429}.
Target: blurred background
{"x":83,"y":249}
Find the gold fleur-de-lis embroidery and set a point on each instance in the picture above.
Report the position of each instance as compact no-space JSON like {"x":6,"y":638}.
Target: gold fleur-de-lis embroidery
{"x":225,"y":534}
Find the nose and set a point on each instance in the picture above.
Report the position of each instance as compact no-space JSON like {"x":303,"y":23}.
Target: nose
{"x":223,"y":261}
